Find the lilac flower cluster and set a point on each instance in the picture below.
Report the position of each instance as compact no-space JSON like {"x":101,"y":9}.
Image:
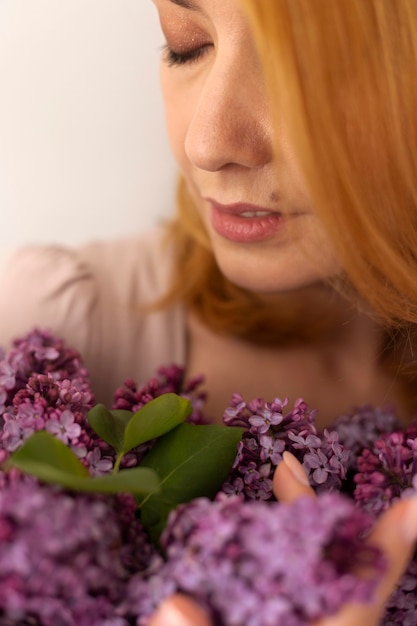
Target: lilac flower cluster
{"x":220,"y":553}
{"x":38,"y":353}
{"x":387,"y":470}
{"x":45,"y":386}
{"x":269,"y":431}
{"x":362,"y":427}
{"x":70,"y":567}
{"x":170,"y":379}
{"x":401,"y":609}
{"x":92,"y":556}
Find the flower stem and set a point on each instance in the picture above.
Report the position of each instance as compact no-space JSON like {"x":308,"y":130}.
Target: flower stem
{"x":118,"y":461}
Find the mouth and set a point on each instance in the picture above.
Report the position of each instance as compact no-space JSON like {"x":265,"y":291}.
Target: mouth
{"x":254,"y":213}
{"x":243,"y":209}
{"x":245,"y":223}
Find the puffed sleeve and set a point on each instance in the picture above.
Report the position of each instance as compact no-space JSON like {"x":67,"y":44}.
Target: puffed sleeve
{"x":96,"y":297}
{"x":48,"y":287}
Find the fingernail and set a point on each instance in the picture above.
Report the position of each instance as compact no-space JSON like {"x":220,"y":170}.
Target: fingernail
{"x":168,"y":614}
{"x":409,"y":520}
{"x":295,"y":468}
{"x":179,"y":610}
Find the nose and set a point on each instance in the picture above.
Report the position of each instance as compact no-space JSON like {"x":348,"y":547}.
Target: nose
{"x":230,"y":124}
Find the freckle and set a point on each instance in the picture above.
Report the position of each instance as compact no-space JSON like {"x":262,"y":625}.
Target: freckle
{"x":274,"y":196}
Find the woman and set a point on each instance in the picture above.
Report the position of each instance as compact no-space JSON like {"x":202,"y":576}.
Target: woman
{"x":293,"y":123}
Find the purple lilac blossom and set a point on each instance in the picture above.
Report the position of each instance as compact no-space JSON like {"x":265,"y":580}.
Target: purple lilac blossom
{"x":169,"y":379}
{"x":220,"y":553}
{"x":69,"y":568}
{"x":58,"y":406}
{"x":39,"y":352}
{"x":362,"y":427}
{"x":401,"y":609}
{"x":385,"y":470}
{"x":45,"y":386}
{"x":270,"y":430}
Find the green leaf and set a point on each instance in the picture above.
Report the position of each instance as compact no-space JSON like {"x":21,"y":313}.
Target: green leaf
{"x":44,"y":449}
{"x":51,"y":461}
{"x":110,"y":425}
{"x":156,"y":418}
{"x":191,"y":461}
{"x":137,"y":480}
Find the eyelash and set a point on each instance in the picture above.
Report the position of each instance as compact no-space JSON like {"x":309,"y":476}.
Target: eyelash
{"x":173,"y":58}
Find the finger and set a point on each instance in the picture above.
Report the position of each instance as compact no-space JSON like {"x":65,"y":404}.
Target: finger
{"x":395,"y":534}
{"x":290,"y":480}
{"x":179,"y":610}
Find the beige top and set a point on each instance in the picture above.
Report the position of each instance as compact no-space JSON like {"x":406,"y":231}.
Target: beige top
{"x":93,"y":297}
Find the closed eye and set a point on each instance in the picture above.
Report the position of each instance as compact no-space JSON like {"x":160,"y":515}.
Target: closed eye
{"x":172,"y":58}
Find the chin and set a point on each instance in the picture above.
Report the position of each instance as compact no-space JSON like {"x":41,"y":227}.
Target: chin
{"x":272,"y":268}
{"x":283,"y":279}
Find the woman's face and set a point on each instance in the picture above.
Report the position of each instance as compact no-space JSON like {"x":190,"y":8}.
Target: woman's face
{"x":256,"y":209}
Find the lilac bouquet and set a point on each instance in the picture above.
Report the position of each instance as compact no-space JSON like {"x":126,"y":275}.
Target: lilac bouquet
{"x":106,"y":512}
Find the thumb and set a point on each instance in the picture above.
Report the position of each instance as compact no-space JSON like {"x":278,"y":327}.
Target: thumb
{"x":290,"y":480}
{"x":395,"y":534}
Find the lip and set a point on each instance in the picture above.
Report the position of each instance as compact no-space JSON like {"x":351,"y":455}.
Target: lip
{"x":232,"y":222}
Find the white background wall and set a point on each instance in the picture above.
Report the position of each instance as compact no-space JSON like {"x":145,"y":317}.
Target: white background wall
{"x":83,"y":152}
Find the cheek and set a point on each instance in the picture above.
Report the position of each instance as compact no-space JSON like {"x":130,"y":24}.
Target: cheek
{"x":292,"y":183}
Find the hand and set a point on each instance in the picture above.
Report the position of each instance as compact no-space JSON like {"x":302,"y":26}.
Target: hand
{"x":395,"y":533}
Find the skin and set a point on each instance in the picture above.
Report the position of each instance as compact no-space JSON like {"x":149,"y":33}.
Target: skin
{"x":220,"y":132}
